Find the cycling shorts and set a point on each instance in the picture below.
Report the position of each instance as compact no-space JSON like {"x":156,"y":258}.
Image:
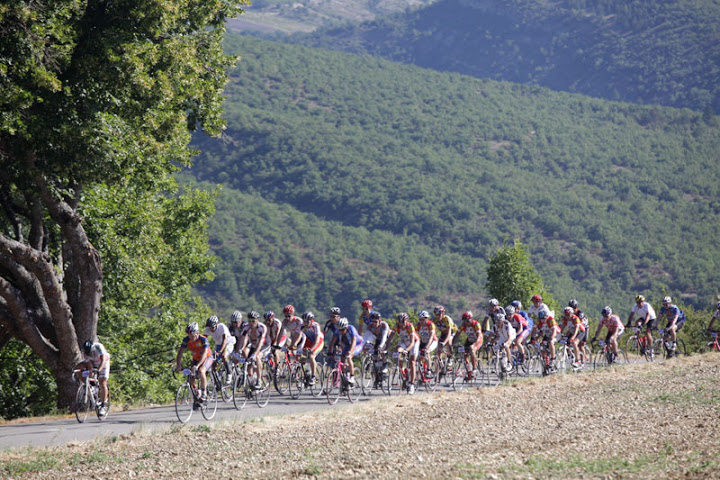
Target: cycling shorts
{"x":679,"y":324}
{"x":652,"y":324}
{"x":318,"y":347}
{"x":610,"y":333}
{"x":228,"y":348}
{"x":444,"y":336}
{"x":469,"y":342}
{"x":105,"y":372}
{"x":208,"y":362}
{"x":524,"y":335}
{"x":415,"y":350}
{"x":503,"y":338}
{"x":429,"y":347}
{"x":358,"y":349}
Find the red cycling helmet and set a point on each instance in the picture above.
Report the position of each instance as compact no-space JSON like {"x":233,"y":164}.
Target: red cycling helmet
{"x":366,"y":304}
{"x":288,"y":310}
{"x":536,"y":298}
{"x":467,"y":315}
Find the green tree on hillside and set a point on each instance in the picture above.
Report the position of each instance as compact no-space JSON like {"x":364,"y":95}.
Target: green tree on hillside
{"x":511,"y":275}
{"x":97,"y":102}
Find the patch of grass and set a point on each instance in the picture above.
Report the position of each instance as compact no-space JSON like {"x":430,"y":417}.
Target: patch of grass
{"x":43,"y":461}
{"x":202,"y":428}
{"x":469,"y":470}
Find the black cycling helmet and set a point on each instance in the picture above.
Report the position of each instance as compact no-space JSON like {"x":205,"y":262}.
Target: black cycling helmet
{"x":212,"y":321}
{"x":87,"y":347}
{"x":573,"y":303}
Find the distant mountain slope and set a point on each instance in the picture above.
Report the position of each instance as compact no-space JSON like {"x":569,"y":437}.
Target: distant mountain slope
{"x":641,"y":51}
{"x":612,"y":199}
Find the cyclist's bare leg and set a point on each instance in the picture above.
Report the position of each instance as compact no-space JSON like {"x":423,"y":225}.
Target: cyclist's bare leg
{"x":413,"y":367}
{"x":576,"y":350}
{"x":313,"y":362}
{"x":103,"y":389}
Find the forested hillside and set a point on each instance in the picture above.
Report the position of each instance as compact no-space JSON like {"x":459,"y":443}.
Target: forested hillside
{"x":641,"y":51}
{"x":388,"y":169}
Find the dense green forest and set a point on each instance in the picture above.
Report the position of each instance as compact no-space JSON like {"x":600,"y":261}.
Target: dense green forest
{"x":394,"y":182}
{"x":641,"y":51}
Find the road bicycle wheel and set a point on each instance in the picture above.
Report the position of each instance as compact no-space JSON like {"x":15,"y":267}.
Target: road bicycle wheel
{"x":600,"y":360}
{"x":520,"y":362}
{"x":82,"y":403}
{"x":208,"y":408}
{"x":587,"y":356}
{"x":262,"y":390}
{"x":561,"y":358}
{"x":396,"y":380}
{"x":316,"y":389}
{"x":680,"y":348}
{"x":281,"y":378}
{"x":710,"y":347}
{"x":296,"y":381}
{"x":622,"y":357}
{"x":240,"y":393}
{"x":184,"y":402}
{"x":385,"y":381}
{"x":353,"y":391}
{"x":431,"y":373}
{"x":332,"y":386}
{"x":226,"y":384}
{"x":632,"y":347}
{"x":367,"y":378}
{"x":461,"y":379}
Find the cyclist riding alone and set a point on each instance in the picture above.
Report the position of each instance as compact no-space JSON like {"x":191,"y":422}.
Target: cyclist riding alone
{"x":675,"y":320}
{"x":294,"y":326}
{"x":473,"y":337}
{"x":276,"y":336}
{"x":409,"y":343}
{"x":574,"y":329}
{"x":224,"y":342}
{"x":351,"y":344}
{"x":254,"y":346}
{"x":314,"y":341}
{"x":548,"y":328}
{"x":201,"y":356}
{"x":364,"y":320}
{"x":96,"y":356}
{"x":447,"y":328}
{"x":646,"y":318}
{"x":520,"y":324}
{"x":614,"y":327}
{"x":426,"y":333}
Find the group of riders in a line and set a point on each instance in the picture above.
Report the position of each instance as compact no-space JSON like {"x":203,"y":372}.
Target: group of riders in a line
{"x":254,"y":339}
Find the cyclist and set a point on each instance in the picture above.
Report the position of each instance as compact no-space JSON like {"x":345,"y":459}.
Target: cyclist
{"x":473,"y":337}
{"x":224,"y":342}
{"x":276,"y":335}
{"x":381,"y":330}
{"x":645,"y":318}
{"x":579,"y":313}
{"x":614,"y":327}
{"x":493,"y":308}
{"x":96,"y":356}
{"x":537,"y":307}
{"x":715,"y":316}
{"x":426,"y":332}
{"x":294,"y":326}
{"x":201,"y":356}
{"x":675,"y":320}
{"x":254,"y":345}
{"x":409,"y":343}
{"x":236,"y":329}
{"x":314,"y":341}
{"x":574,"y":329}
{"x":364,"y":320}
{"x":351,"y":343}
{"x":330,"y":326}
{"x":446,"y":326}
{"x":549,"y":329}
{"x":520,"y":324}
{"x":506,"y":336}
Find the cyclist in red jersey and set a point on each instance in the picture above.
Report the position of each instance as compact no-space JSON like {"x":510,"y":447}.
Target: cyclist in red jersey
{"x":574,"y":328}
{"x":614,"y":327}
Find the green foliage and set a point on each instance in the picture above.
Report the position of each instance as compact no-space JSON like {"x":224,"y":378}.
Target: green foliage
{"x":607,"y":204}
{"x":26,"y":386}
{"x":632,"y":50}
{"x":511,"y":275}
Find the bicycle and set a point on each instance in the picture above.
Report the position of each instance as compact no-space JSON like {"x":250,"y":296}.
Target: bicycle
{"x":222,"y":379}
{"x":565,"y":357}
{"x":88,"y":396}
{"x":446,"y":365}
{"x":638,"y":346}
{"x":465,"y":375}
{"x":301,"y":379}
{"x":399,"y":375}
{"x":281,"y":378}
{"x":375,"y":374}
{"x":541,"y":360}
{"x":427,"y":371}
{"x":713,"y":346}
{"x":244,"y":390}
{"x":338,"y":383}
{"x":187,"y":398}
{"x":606,"y":356}
{"x":665,"y":345}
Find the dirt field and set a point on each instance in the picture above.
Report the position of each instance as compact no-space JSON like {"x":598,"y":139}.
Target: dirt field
{"x":640,"y":421}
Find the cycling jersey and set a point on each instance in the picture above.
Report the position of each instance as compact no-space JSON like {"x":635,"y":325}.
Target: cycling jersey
{"x":260,"y":334}
{"x":570,"y":323}
{"x":197,"y":347}
{"x":471,"y":328}
{"x":533,"y":310}
{"x":365,"y":319}
{"x":426,"y":331}
{"x":612,"y":323}
{"x":312,"y":334}
{"x":346,"y":340}
{"x":670,"y":312}
{"x":221,"y":331}
{"x":548,"y":326}
{"x":519,"y":323}
{"x":640,"y":312}
{"x":446,"y":325}
{"x":406,"y":333}
{"x":505,"y":332}
{"x":293,"y":324}
{"x":95,"y":358}
{"x":530,"y":322}
{"x":272,"y":331}
{"x":381,"y":333}
{"x":331,"y":327}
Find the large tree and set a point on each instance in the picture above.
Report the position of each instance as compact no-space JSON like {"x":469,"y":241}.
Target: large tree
{"x":98,"y":99}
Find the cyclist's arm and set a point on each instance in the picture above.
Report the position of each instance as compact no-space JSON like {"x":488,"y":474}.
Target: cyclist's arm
{"x":178,"y":366}
{"x":630,"y":317}
{"x":712,"y":321}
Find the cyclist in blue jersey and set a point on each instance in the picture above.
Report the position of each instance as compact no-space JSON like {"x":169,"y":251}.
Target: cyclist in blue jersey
{"x":351,"y":344}
{"x":675,"y":318}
